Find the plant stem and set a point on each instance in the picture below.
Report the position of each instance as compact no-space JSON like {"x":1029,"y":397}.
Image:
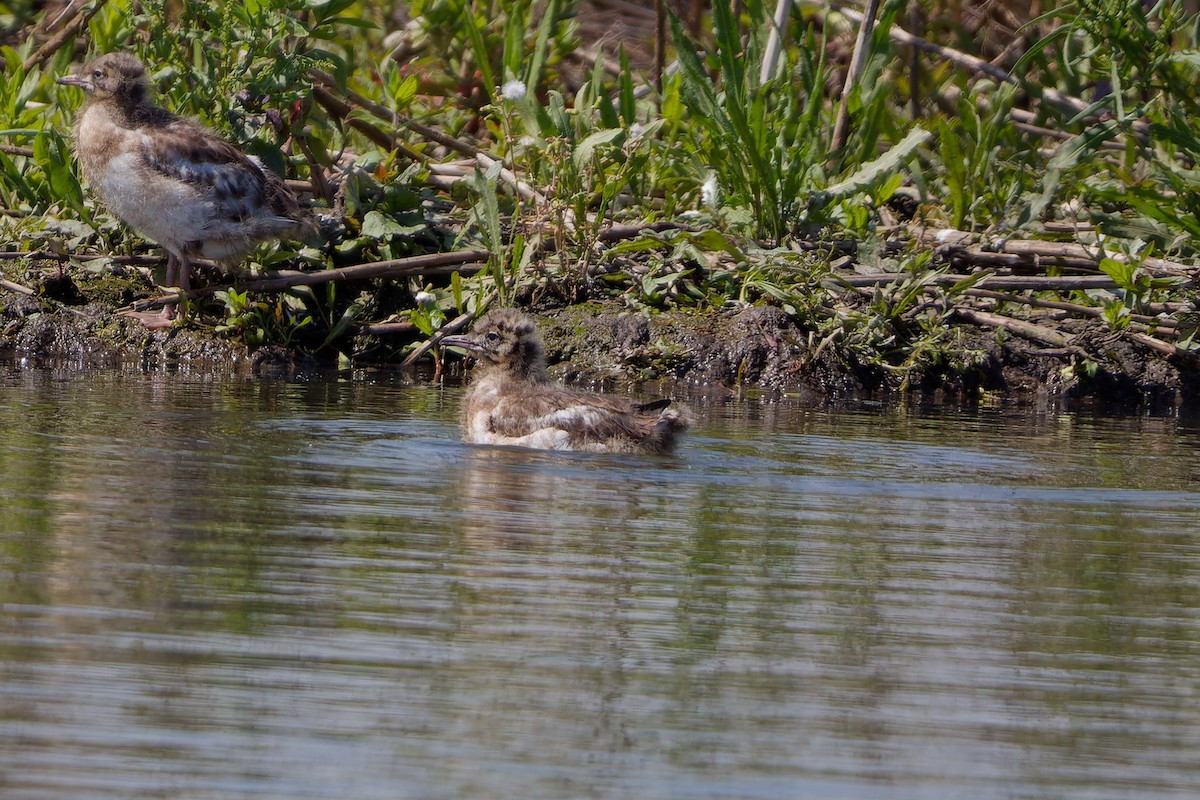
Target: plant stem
{"x":858,"y":62}
{"x":770,"y":59}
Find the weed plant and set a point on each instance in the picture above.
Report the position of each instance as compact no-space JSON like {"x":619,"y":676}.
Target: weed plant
{"x":742,"y":161}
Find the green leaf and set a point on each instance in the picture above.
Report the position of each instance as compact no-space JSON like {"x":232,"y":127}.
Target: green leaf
{"x":456,"y":289}
{"x":343,"y":324}
{"x":480,"y":51}
{"x":583,"y":152}
{"x":969,"y":282}
{"x":541,"y":47}
{"x":873,"y":171}
{"x":378,"y":225}
{"x":695,"y":86}
{"x":1069,"y":155}
{"x":628,"y":101}
{"x":1122,"y":273}
{"x":638,"y":245}
{"x":715,"y":241}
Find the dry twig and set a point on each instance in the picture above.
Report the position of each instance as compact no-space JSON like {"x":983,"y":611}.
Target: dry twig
{"x":1032,"y":282}
{"x":76,"y":19}
{"x":16,"y":287}
{"x":858,"y":62}
{"x":453,"y":326}
{"x":415,"y":265}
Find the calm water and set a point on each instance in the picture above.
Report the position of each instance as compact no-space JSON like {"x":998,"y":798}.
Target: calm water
{"x":217,"y":589}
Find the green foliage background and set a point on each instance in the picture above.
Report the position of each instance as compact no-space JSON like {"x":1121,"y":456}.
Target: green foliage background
{"x":1094,"y":126}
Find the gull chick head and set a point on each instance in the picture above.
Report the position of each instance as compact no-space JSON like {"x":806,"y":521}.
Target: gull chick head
{"x":504,"y":338}
{"x":116,"y":76}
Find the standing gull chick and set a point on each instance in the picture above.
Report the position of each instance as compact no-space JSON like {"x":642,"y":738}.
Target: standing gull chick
{"x":513,"y":401}
{"x":171,"y":179}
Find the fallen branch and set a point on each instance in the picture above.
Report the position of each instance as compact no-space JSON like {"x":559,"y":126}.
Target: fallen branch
{"x":16,"y":287}
{"x":75,"y":21}
{"x":1024,"y":120}
{"x":1171,"y":351}
{"x":1027,"y":330}
{"x":381,"y":112}
{"x":385,"y":328}
{"x":1073,"y":308}
{"x":526,"y":191}
{"x":385,"y":114}
{"x":616,"y":233}
{"x":965,"y":246}
{"x":415,"y":265}
{"x":1030,"y":282}
{"x":1040,"y":333}
{"x":958,"y":58}
{"x":49,"y":255}
{"x":453,"y":326}
{"x":342,"y":111}
{"x":858,"y":62}
{"x":770,"y":59}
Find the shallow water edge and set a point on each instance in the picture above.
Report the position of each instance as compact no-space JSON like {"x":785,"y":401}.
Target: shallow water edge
{"x":280,"y":589}
{"x":756,"y":349}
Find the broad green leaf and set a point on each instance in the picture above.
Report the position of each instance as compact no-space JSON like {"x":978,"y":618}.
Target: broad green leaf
{"x":378,"y":225}
{"x":873,"y":171}
{"x":1069,"y":154}
{"x":585,"y":149}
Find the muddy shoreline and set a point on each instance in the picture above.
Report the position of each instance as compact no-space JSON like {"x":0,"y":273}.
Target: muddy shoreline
{"x":604,"y":345}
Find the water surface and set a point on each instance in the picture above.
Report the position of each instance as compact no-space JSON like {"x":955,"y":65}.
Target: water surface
{"x":231,"y":589}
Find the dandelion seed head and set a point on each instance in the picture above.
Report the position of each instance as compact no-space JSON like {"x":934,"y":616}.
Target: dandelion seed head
{"x":425,"y":297}
{"x":512,"y":90}
{"x":946,"y":235}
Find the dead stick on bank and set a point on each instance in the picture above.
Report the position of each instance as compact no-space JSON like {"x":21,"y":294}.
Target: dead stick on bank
{"x":453,"y":326}
{"x":963,"y":245}
{"x":858,"y":62}
{"x":76,"y":18}
{"x":47,"y":255}
{"x":1163,"y":326}
{"x":1040,"y":333}
{"x":1033,"y":282}
{"x":956,"y":57}
{"x":1028,"y":330}
{"x":329,"y":84}
{"x":16,"y":287}
{"x":376,"y":269}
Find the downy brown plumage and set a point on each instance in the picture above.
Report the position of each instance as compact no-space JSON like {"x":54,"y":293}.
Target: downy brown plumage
{"x":170,"y":178}
{"x":512,"y":401}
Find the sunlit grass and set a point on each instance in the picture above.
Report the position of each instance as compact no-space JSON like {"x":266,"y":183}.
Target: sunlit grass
{"x":740,"y":159}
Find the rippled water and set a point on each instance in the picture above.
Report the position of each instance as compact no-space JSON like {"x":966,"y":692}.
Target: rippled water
{"x":214,"y":589}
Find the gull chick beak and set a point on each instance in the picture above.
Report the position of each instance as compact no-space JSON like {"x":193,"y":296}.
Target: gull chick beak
{"x":465,"y":342}
{"x":76,"y":80}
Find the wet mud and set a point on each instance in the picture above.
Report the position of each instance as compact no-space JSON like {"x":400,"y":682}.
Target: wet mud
{"x":76,"y":325}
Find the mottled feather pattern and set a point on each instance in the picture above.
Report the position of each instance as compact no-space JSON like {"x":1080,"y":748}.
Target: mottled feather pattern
{"x":237,"y":189}
{"x":171,"y":178}
{"x":587,"y":421}
{"x":512,"y":400}
{"x":587,"y":415}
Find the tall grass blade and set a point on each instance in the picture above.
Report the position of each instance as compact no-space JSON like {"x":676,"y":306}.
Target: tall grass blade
{"x":541,"y":47}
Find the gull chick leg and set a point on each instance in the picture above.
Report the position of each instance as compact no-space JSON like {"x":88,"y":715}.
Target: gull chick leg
{"x":168,"y":311}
